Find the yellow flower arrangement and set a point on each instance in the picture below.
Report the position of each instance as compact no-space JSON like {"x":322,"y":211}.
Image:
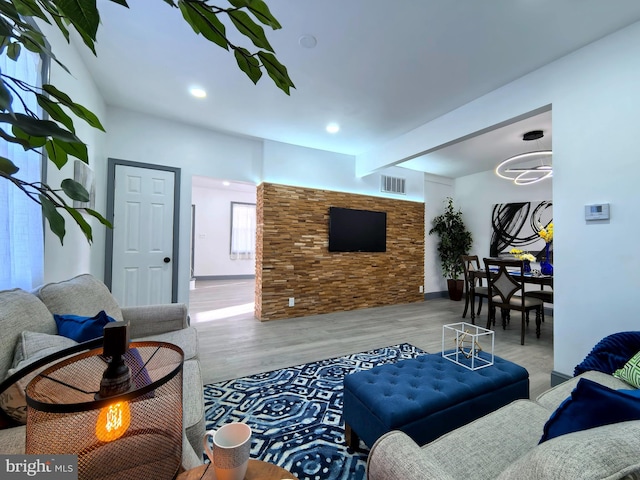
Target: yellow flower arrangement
{"x":521,"y":255}
{"x":547,"y":233}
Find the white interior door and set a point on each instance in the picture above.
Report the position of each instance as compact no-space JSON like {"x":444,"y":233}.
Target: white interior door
{"x":143,"y":213}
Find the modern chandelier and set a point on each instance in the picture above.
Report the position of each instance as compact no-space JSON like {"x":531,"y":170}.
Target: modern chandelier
{"x":529,"y":167}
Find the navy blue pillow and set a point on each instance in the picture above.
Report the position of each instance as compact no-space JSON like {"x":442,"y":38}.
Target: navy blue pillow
{"x":81,"y":328}
{"x":610,"y":353}
{"x":592,"y":405}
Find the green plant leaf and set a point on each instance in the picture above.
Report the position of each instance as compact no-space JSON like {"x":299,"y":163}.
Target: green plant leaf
{"x":83,"y":15}
{"x":4,"y":42}
{"x":55,"y":111}
{"x":121,"y":2}
{"x":29,"y":8}
{"x":6,"y":29}
{"x":87,"y":115}
{"x":6,"y":99}
{"x":80,"y":111}
{"x":260,"y":10}
{"x":74,"y":190}
{"x":455,"y":240}
{"x":57,"y":94}
{"x":276,"y":71}
{"x":248,"y":64}
{"x":82,"y":223}
{"x":9,"y":10}
{"x":34,"y":142}
{"x":102,"y":220}
{"x":250,"y":29}
{"x":56,"y":154}
{"x":205,"y":22}
{"x":75,"y":149}
{"x":62,"y":27}
{"x":7,"y":166}
{"x":56,"y":221}
{"x":34,"y":41}
{"x":37,"y":127}
{"x":12,"y":139}
{"x":13,"y":51}
{"x":89,"y":42}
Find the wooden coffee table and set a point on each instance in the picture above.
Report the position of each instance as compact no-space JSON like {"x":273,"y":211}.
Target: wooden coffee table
{"x":257,"y":470}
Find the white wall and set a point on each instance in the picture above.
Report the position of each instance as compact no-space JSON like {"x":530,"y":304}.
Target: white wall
{"x":213,"y":232}
{"x":476,"y":195}
{"x":436,"y":191}
{"x":144,"y":138}
{"x":76,"y":256}
{"x":196,"y":151}
{"x":307,"y":167}
{"x":595,"y":101}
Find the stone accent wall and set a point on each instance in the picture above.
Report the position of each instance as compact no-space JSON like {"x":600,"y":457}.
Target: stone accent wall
{"x":293,"y":260}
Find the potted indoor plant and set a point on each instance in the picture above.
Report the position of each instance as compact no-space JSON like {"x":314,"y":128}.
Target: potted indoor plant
{"x":455,"y":240}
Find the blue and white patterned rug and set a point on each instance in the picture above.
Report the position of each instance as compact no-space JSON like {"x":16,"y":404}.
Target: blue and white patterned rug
{"x":296,"y":413}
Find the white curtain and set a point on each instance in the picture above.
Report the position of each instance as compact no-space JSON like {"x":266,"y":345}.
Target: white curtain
{"x":21,"y":236}
{"x":243,"y":231}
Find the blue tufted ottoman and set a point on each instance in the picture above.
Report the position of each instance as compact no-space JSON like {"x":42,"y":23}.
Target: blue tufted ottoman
{"x":426,"y":397}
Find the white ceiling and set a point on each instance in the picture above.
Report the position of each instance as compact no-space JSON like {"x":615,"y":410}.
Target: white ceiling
{"x":380,"y":68}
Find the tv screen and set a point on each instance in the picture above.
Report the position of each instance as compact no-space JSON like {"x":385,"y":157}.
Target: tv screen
{"x":357,"y":230}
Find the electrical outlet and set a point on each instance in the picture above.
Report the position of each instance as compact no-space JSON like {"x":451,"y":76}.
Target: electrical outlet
{"x":292,"y":301}
{"x":421,"y":288}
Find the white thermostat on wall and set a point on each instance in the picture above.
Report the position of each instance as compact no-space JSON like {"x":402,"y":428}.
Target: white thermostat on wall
{"x":599,"y":211}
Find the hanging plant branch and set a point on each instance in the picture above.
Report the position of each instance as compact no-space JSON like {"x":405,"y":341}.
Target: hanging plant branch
{"x":54,"y":132}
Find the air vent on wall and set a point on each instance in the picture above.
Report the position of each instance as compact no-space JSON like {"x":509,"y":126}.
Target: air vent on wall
{"x":392,"y":184}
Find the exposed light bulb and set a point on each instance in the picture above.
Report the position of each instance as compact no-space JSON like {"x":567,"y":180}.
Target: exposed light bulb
{"x":113,"y":421}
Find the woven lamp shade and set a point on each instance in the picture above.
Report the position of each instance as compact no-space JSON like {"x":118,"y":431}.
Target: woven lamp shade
{"x":134,"y":435}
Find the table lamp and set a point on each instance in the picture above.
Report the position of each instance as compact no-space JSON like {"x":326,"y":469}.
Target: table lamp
{"x":119,"y":408}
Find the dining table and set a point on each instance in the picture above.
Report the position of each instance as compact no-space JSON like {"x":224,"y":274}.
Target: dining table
{"x":528,"y":277}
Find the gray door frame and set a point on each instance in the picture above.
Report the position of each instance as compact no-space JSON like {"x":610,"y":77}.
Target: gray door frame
{"x":112,"y":163}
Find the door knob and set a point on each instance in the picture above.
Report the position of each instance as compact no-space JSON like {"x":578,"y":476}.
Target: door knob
{"x":167,"y":259}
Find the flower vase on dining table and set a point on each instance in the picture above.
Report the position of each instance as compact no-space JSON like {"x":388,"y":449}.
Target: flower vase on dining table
{"x":545,"y":265}
{"x":526,"y":266}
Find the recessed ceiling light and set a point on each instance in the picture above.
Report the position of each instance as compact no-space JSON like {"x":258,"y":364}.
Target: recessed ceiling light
{"x":226,"y":184}
{"x":308,"y":41}
{"x":333,"y":128}
{"x":198,"y":92}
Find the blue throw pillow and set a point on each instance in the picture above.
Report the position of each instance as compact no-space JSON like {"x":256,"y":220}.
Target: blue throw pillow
{"x":592,"y":405}
{"x":610,"y":353}
{"x":81,"y":328}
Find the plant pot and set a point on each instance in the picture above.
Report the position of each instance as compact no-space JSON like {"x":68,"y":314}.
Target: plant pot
{"x":456,"y":289}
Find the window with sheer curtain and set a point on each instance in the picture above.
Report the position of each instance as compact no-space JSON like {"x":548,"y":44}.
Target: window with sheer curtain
{"x":243,"y":230}
{"x":21,"y":228}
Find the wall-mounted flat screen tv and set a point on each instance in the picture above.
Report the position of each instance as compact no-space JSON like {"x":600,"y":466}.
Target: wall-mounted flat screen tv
{"x":357,"y":230}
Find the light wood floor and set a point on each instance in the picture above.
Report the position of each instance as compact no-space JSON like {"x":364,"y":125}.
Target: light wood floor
{"x":234,"y":344}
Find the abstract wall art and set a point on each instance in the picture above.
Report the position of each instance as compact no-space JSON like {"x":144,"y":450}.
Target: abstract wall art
{"x":516,"y":225}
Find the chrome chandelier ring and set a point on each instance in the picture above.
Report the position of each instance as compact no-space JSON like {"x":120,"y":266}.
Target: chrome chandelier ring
{"x":526,"y":168}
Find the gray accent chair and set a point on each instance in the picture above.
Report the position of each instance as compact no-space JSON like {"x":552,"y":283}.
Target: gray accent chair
{"x":85,"y":295}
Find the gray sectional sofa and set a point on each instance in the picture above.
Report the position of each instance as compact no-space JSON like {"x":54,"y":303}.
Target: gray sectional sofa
{"x":504,"y":445}
{"x":28,"y":328}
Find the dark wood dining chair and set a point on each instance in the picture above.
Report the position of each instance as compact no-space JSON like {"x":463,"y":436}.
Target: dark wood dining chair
{"x":506,"y":292}
{"x":545,"y":295}
{"x":472,"y":285}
